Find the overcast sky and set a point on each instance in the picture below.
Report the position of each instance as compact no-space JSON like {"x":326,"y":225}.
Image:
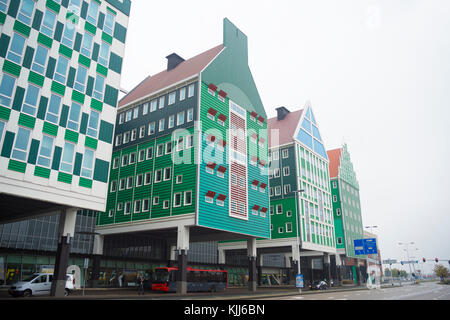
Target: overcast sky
{"x":376,"y":72}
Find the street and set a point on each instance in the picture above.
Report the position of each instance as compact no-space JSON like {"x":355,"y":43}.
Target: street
{"x":422,"y":291}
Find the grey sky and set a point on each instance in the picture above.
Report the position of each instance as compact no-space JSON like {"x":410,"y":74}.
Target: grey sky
{"x":376,"y":72}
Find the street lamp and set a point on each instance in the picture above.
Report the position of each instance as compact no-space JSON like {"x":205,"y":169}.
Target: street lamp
{"x":407,"y":244}
{"x":296,"y":192}
{"x":369,"y":279}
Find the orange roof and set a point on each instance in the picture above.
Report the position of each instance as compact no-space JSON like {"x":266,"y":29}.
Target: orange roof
{"x":335,"y":160}
{"x":286,"y":128}
{"x":166,"y":78}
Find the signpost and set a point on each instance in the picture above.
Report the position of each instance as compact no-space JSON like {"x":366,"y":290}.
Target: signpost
{"x":299,"y":281}
{"x":365,"y":247}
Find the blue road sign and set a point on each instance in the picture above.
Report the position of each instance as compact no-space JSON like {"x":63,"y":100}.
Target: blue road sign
{"x":365,"y":246}
{"x":299,"y":281}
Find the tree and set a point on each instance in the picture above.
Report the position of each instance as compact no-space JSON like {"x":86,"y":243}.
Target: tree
{"x":441,"y":271}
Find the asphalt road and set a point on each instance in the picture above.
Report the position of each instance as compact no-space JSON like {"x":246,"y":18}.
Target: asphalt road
{"x":422,"y":291}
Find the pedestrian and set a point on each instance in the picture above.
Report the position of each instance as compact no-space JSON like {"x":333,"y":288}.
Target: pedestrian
{"x":141,"y":284}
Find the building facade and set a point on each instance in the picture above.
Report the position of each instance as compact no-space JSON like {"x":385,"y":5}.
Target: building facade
{"x":346,"y":211}
{"x":184,"y":159}
{"x":300,"y":196}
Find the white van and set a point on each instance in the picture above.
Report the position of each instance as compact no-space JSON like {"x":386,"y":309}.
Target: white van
{"x":38,"y":284}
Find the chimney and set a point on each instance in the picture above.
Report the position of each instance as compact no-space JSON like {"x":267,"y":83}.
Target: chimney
{"x":173,"y":60}
{"x":282,"y":113}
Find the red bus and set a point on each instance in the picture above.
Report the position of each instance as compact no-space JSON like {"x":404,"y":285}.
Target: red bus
{"x":164,"y":279}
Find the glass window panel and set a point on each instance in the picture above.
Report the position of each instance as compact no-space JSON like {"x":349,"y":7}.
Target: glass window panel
{"x":74,"y":117}
{"x":3,"y":5}
{"x":40,"y":59}
{"x":61,"y":70}
{"x":48,"y":23}
{"x":21,"y":144}
{"x":109,"y":23}
{"x":86,"y":48}
{"x":92,"y":14}
{"x":75,"y":6}
{"x":67,"y":158}
{"x":31,"y":99}
{"x":306,"y":125}
{"x":53,"y":109}
{"x":26,"y":11}
{"x":45,"y":151}
{"x":80,"y":80}
{"x":69,"y":34}
{"x":304,"y":137}
{"x":99,"y":87}
{"x":92,"y":129}
{"x":316,"y":133}
{"x":6,"y":89}
{"x":104,"y":54}
{"x":16,"y":48}
{"x":88,"y":163}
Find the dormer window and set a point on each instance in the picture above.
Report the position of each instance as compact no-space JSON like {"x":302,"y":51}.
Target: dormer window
{"x":255,"y":184}
{"x":263,"y":212}
{"x":212,"y":89}
{"x":212,"y":114}
{"x":254,"y":160}
{"x":210,"y":167}
{"x":255,"y":209}
{"x":260,"y":121}
{"x":221,"y":119}
{"x":221,"y":200}
{"x":262,"y":187}
{"x":254,"y":138}
{"x":209,"y":198}
{"x":221,"y":171}
{"x":222,"y":95}
{"x":253,"y":116}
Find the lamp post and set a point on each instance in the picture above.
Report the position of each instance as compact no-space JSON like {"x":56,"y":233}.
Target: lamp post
{"x":407,"y":244}
{"x":296,"y":192}
{"x":369,"y":279}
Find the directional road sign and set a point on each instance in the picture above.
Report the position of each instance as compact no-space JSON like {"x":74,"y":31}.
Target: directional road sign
{"x":365,"y":246}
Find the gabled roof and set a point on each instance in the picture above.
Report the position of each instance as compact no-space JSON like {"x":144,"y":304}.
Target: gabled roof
{"x":286,"y":128}
{"x":335,"y":161}
{"x":166,"y":78}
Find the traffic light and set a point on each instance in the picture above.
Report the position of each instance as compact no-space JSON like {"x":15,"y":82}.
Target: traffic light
{"x":436,"y":259}
{"x":424,"y":260}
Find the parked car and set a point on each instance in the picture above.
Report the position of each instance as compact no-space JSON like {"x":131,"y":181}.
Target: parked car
{"x":39,"y":284}
{"x":319,"y":285}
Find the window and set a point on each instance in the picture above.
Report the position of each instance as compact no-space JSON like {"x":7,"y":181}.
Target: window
{"x":130,"y":182}
{"x":139,"y":180}
{"x":145,"y":109}
{"x":108,"y":27}
{"x":67,"y":158}
{"x":182,"y":94}
{"x":26,"y":12}
{"x":133,"y":134}
{"x":45,"y":151}
{"x":153,"y":105}
{"x":99,"y":87}
{"x":119,"y":206}
{"x":287,"y":188}
{"x":149,"y":153}
{"x":124,"y":160}
{"x":126,"y":137}
{"x":135,"y":112}
{"x":141,"y":156}
{"x":191,"y":90}
{"x":177,"y":199}
{"x":61,"y":70}
{"x":280,"y":229}
{"x":190,"y":115}
{"x":286,"y":171}
{"x":86,"y":47}
{"x":48,"y":23}
{"x":161,"y":102}
{"x":167,"y":173}
{"x":3,"y":5}
{"x":6,"y":89}
{"x":171,"y":123}
{"x":289,"y":214}
{"x":155,"y":201}
{"x":145,"y":205}
{"x":69,"y":33}
{"x":92,"y":129}
{"x":31,"y":99}
{"x":128,"y":115}
{"x":122,"y":184}
{"x":40,"y":59}
{"x":158,"y":176}
{"x":285,"y":153}
{"x":159,"y":150}
{"x":172,"y":97}
{"x":161,"y":125}
{"x":180,"y":118}
{"x":338,"y":212}
{"x":80,"y":79}
{"x":111,"y":213}
{"x":116,"y":163}
{"x":166,"y":204}
{"x":276,"y":173}
{"x":87,"y":166}
{"x":179,"y":179}
{"x":187,"y":198}
{"x":169,"y":147}
{"x":334,"y":184}
{"x":121,"y":118}
{"x":127,"y":209}
{"x":147,"y":178}
{"x":278,"y":190}
{"x":74,"y":116}
{"x":180,"y":144}
{"x":137,"y":206}
{"x":289,"y":227}
{"x":141,"y":132}
{"x":118,"y":140}
{"x":279,"y":208}
{"x":339,"y":240}
{"x":132,"y":158}
{"x":151,"y":128}
{"x":92,"y":13}
{"x":334,"y":199}
{"x":16,"y":48}
{"x":190,"y":141}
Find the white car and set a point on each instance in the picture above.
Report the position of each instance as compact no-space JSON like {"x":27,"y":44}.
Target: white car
{"x":39,"y":284}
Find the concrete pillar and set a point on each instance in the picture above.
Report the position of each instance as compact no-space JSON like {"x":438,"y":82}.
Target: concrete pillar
{"x":326,"y":266}
{"x":66,"y":232}
{"x":251,"y":250}
{"x":221,"y":256}
{"x":97,"y":252}
{"x":259,"y":263}
{"x":182,"y":248}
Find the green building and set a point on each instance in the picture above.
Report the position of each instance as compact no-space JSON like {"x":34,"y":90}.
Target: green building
{"x":190,"y":156}
{"x":346,"y":211}
{"x":300,"y":195}
{"x":60,"y":71}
